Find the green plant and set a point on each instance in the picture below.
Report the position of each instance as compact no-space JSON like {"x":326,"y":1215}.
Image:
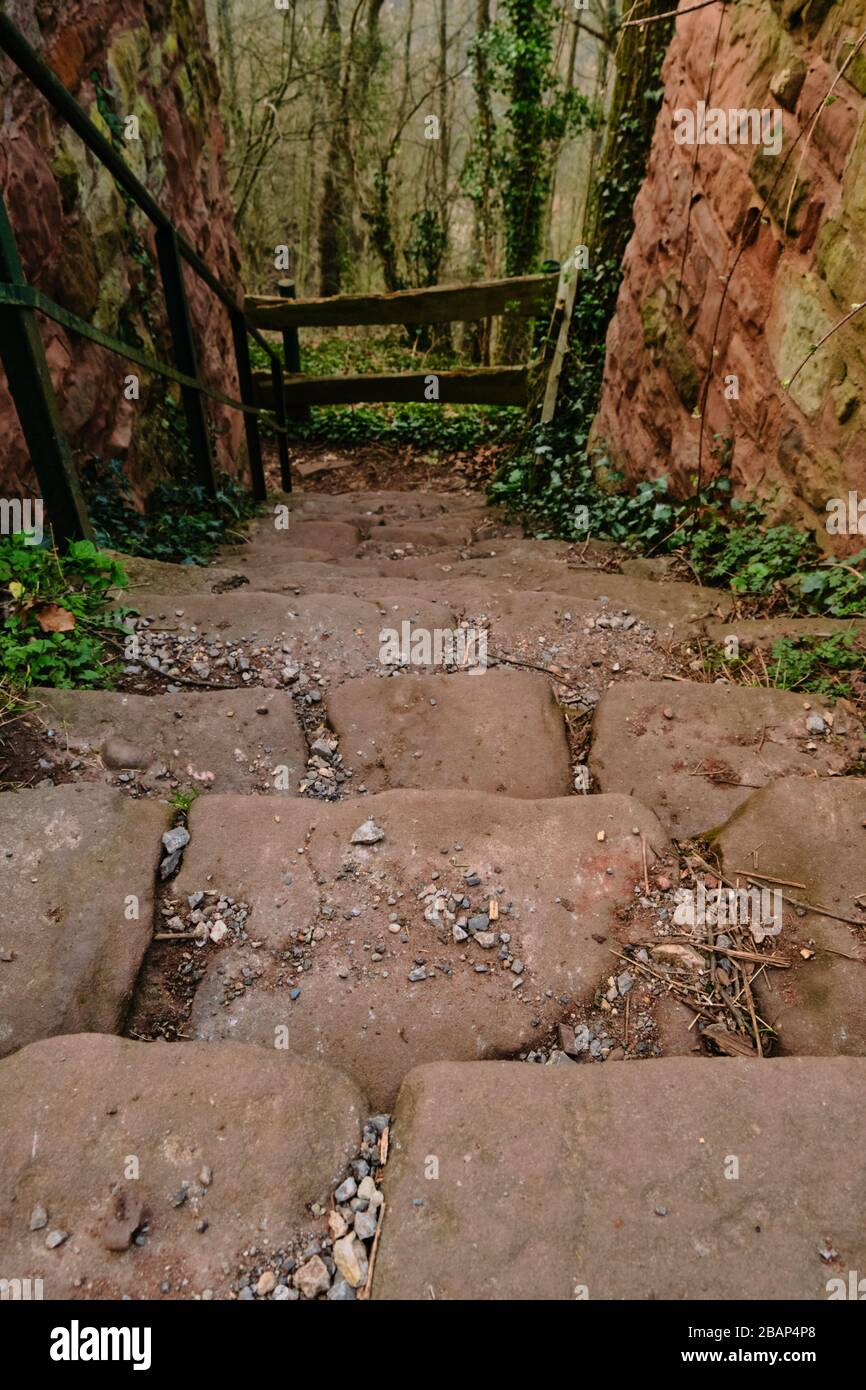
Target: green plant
{"x":179,"y":523}
{"x":815,"y":663}
{"x":541,"y":109}
{"x":427,"y":425}
{"x":725,"y":540}
{"x":58,"y":622}
{"x":820,"y":665}
{"x":182,"y":801}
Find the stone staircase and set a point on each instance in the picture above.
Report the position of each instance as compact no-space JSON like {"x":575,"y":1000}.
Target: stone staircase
{"x":344,"y":1024}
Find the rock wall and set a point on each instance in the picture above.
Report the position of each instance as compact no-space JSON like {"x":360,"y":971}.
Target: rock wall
{"x":800,"y":273}
{"x":88,"y":250}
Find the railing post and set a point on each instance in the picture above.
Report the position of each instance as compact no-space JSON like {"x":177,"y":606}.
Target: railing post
{"x":251,"y":422}
{"x":185,"y":357}
{"x":280,"y":412}
{"x":292,"y":349}
{"x":30,"y":386}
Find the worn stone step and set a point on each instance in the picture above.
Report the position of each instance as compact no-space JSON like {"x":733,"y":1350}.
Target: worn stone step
{"x":417,"y":537}
{"x":157,"y":576}
{"x":388,"y":549}
{"x":229,"y":740}
{"x":399,"y":506}
{"x":338,"y":539}
{"x":567,"y":867}
{"x":76,"y":914}
{"x":212,"y":1150}
{"x":339,"y":632}
{"x":810,"y":831}
{"x":763,"y":632}
{"x":673,"y":1179}
{"x":674,"y":606}
{"x":491,"y":731}
{"x":695,"y":752}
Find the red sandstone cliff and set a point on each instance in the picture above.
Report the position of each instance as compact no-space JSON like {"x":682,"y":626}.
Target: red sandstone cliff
{"x":792,"y":284}
{"x":79,"y":243}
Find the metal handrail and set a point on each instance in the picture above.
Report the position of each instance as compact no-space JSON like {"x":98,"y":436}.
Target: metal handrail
{"x":23,"y":354}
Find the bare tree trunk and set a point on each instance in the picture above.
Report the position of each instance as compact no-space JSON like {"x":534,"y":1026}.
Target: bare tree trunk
{"x":444,"y":118}
{"x":485,"y":235}
{"x":228,"y":60}
{"x":441,"y":334}
{"x":576,"y":26}
{"x":630,"y":127}
{"x":331,"y":208}
{"x":601,"y":76}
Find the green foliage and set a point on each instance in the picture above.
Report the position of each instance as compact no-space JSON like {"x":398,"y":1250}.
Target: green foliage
{"x":426,"y":247}
{"x":373,"y":352}
{"x":725,"y":540}
{"x":182,"y":801}
{"x":810,"y":663}
{"x":180,"y":522}
{"x":423,"y":426}
{"x":541,"y":111}
{"x":815,"y":663}
{"x":837,"y":587}
{"x":144,"y":286}
{"x":427,"y":425}
{"x":57,"y":619}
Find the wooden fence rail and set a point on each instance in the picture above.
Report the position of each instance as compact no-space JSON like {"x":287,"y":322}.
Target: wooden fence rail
{"x":528,"y":295}
{"x":464,"y":386}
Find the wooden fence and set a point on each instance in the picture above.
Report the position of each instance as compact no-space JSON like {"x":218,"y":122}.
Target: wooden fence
{"x":529,"y":296}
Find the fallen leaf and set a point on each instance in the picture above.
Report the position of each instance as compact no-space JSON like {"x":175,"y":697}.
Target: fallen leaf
{"x":52,"y":618}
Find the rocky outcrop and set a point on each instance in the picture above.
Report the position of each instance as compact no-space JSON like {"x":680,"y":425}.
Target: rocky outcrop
{"x":83,"y":246}
{"x":800,"y":272}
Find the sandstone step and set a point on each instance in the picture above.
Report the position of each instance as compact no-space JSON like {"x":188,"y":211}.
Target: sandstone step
{"x":400,"y":537}
{"x":77,"y":909}
{"x":338,"y":539}
{"x":672,"y":1179}
{"x":401,"y":506}
{"x":106,"y":1135}
{"x":374,"y":541}
{"x":675,"y":606}
{"x":491,"y":731}
{"x":157,"y":576}
{"x":229,"y":740}
{"x":695,"y":752}
{"x":355,"y":1004}
{"x":384,"y":546}
{"x":813,"y":832}
{"x":340,"y":632}
{"x":763,"y":632}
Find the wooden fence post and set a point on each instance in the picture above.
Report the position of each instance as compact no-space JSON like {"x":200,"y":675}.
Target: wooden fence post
{"x":280,"y":412}
{"x":251,"y":423}
{"x":185,"y":357}
{"x":30,"y":386}
{"x":292,"y":350}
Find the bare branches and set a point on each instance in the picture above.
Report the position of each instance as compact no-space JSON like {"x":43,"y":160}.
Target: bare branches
{"x":669,"y":14}
{"x":853,"y":312}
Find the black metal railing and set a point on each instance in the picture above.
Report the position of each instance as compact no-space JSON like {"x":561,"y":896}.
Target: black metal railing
{"x":23,"y":356}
